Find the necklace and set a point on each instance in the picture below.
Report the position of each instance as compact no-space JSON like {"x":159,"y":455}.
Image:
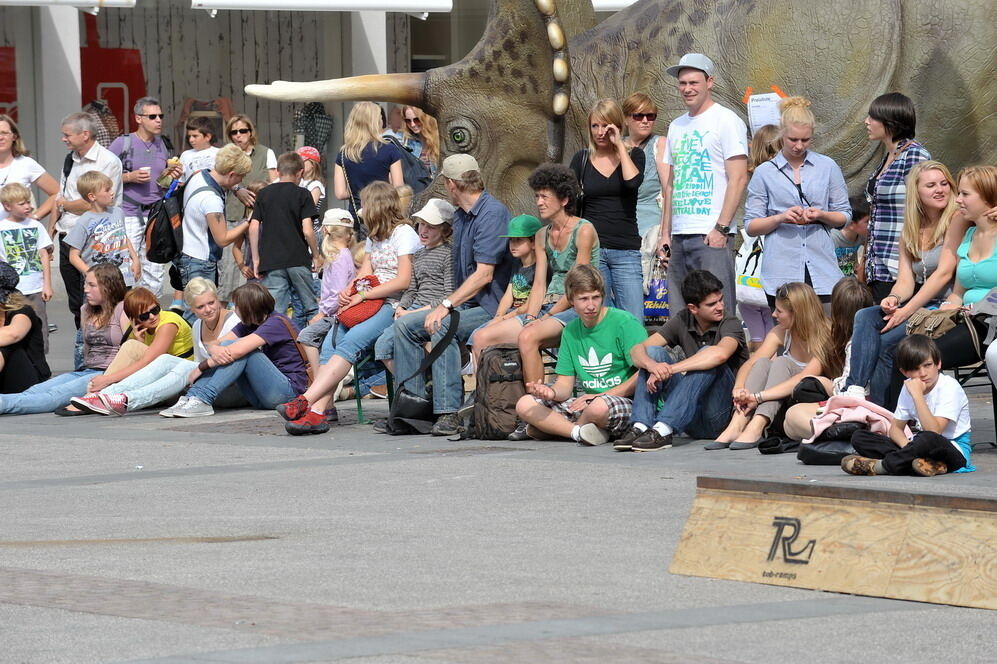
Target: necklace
{"x":148,"y":145}
{"x":221,"y":317}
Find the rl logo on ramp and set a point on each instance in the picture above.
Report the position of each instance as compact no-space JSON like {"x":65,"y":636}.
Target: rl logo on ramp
{"x":915,"y":546}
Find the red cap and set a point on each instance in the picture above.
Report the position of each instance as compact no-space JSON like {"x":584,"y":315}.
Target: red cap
{"x":307,"y":152}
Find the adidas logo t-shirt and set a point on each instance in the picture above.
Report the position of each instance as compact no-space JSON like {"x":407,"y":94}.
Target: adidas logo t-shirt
{"x":599,"y":357}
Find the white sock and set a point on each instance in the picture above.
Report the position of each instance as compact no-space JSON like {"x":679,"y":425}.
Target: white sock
{"x":576,"y":433}
{"x":640,"y":426}
{"x":662,"y":428}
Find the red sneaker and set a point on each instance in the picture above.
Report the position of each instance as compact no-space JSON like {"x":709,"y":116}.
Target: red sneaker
{"x":311,"y":423}
{"x":294,"y":409}
{"x":116,"y":404}
{"x":90,"y":402}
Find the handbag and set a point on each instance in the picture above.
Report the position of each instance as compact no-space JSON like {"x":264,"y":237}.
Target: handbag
{"x":411,"y":412}
{"x":580,"y":201}
{"x":934,"y":323}
{"x":809,"y":390}
{"x":656,"y":300}
{"x":748,"y":286}
{"x":358,"y":313}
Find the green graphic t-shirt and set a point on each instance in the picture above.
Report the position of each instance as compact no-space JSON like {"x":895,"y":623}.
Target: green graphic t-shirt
{"x":599,"y":357}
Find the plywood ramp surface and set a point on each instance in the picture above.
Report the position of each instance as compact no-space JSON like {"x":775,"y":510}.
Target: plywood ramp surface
{"x":922,"y":547}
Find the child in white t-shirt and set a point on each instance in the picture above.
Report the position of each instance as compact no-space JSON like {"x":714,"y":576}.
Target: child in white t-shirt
{"x":940,"y":409}
{"x":27,"y":247}
{"x":201,"y":138}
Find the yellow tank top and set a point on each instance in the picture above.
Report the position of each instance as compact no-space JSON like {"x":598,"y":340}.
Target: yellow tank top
{"x":183,"y":343}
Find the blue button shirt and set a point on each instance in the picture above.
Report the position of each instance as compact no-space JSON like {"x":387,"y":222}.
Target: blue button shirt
{"x":790,"y":248}
{"x":476,"y":239}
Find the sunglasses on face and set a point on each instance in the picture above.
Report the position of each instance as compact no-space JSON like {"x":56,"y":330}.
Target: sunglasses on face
{"x":240,"y":131}
{"x":413,"y":121}
{"x":148,"y":314}
{"x":644,"y":116}
{"x":153,"y":116}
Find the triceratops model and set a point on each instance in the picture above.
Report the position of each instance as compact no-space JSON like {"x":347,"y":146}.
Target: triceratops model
{"x":521,"y":97}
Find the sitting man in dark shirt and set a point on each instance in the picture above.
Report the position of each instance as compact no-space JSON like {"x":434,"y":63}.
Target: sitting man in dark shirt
{"x":695,"y":390}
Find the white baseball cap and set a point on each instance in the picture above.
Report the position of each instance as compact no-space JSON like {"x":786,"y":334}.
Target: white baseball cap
{"x":337,"y":217}
{"x":436,"y":211}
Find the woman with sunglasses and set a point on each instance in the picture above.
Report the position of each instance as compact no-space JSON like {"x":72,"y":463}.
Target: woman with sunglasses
{"x":799,"y":345}
{"x":640,"y":112}
{"x":422,"y":136}
{"x":16,"y":165}
{"x":167,"y":376}
{"x":367,"y":156}
{"x":794,"y":200}
{"x":610,"y":174}
{"x":241,"y":132}
{"x":102,"y":325}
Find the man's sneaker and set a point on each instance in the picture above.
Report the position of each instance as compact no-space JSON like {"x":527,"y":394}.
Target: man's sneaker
{"x":171,"y":411}
{"x":590,"y":434}
{"x":858,"y":465}
{"x":91,"y":403}
{"x":193,"y":407}
{"x":465,"y":410}
{"x":294,"y":409}
{"x":448,"y":424}
{"x":652,"y":440}
{"x":625,"y":443}
{"x":929,"y":467}
{"x":116,"y":404}
{"x":519,"y":433}
{"x":310,"y":423}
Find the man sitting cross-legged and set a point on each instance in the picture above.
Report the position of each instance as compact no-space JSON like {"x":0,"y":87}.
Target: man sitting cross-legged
{"x":696,"y":390}
{"x":595,"y":349}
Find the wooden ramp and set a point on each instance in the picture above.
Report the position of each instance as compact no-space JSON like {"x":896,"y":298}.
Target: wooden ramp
{"x":923,"y":547}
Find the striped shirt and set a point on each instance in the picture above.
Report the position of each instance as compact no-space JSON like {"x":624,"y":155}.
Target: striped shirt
{"x":886,"y":194}
{"x":432,"y":277}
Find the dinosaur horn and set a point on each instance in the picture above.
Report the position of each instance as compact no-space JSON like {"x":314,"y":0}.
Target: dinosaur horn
{"x":398,"y":88}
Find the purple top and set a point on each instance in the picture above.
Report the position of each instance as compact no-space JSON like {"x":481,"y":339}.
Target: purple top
{"x":335,"y":277}
{"x":138,"y":155}
{"x":280,"y":347}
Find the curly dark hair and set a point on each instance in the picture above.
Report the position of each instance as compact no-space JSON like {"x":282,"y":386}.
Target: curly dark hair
{"x":559,"y":179}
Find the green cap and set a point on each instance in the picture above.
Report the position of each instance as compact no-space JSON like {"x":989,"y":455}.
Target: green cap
{"x":525,"y":225}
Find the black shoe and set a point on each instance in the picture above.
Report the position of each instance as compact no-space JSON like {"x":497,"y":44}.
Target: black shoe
{"x":448,"y":424}
{"x":625,"y":443}
{"x":651,"y":440}
{"x":520,"y":432}
{"x":465,"y":410}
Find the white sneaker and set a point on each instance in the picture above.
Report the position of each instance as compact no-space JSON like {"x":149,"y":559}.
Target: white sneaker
{"x":193,"y":407}
{"x":857,"y":391}
{"x":590,"y":434}
{"x":171,"y":411}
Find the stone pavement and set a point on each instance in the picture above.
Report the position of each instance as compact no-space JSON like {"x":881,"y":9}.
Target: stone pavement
{"x":224,"y":540}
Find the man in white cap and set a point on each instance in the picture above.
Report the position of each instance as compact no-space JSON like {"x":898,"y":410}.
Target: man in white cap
{"x":707,"y":150}
{"x":482,"y":266}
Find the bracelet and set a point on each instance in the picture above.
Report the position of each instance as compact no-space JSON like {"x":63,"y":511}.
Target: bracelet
{"x":363,"y":296}
{"x":899,"y":299}
{"x":203,"y":366}
{"x":758,"y":397}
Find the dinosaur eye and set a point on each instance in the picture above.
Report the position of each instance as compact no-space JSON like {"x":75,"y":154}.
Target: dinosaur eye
{"x":462,"y":135}
{"x":459,"y":136}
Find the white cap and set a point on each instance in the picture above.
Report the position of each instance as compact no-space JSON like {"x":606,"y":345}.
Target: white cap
{"x":337,"y":217}
{"x":693,"y":61}
{"x":436,"y":211}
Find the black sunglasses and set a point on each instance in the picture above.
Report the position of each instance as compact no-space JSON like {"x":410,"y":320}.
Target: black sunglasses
{"x":413,"y":121}
{"x":154,"y":116}
{"x":239,"y":131}
{"x":149,"y":314}
{"x":644,"y":116}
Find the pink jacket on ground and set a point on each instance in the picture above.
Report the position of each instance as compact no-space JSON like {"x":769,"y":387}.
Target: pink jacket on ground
{"x":845,"y":408}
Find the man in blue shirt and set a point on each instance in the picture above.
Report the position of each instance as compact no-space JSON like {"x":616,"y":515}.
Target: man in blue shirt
{"x":482,"y":266}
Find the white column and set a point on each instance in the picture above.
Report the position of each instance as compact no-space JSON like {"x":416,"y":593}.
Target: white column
{"x":57,"y":86}
{"x":369,"y":40}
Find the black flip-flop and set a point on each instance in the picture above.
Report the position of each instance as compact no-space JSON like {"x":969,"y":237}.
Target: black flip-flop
{"x":65,"y":412}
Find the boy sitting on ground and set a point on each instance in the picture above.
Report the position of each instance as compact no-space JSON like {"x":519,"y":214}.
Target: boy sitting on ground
{"x":937,"y":403}
{"x":696,"y":390}
{"x":595,"y":349}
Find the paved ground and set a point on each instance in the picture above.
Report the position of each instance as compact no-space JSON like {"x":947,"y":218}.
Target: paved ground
{"x":224,"y":540}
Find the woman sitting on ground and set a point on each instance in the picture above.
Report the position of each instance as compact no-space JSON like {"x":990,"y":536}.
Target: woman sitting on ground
{"x":259,"y":355}
{"x":167,"y":376}
{"x":799,"y":345}
{"x":102,"y":325}
{"x":22,"y":339}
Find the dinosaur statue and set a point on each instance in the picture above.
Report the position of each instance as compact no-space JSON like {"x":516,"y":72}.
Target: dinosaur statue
{"x":522,"y":95}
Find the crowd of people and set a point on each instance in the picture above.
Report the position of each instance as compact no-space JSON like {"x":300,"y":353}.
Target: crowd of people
{"x":277,"y":300}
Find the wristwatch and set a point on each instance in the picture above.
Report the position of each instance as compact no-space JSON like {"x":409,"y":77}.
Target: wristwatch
{"x":447,"y":303}
{"x":721,"y":229}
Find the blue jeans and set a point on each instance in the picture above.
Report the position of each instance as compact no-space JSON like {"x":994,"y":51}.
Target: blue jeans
{"x":46,"y":397}
{"x":263,"y":385}
{"x":690,"y":252}
{"x":696,"y":402}
{"x":353,"y":343}
{"x":162,"y":379}
{"x":300,"y":319}
{"x":190,"y":267}
{"x":624,"y":280}
{"x":384,"y":347}
{"x":281,"y":283}
{"x":410,"y":336}
{"x":872,"y":353}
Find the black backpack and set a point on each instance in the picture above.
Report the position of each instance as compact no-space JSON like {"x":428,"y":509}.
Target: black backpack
{"x":499,"y":385}
{"x":164,"y":230}
{"x":413,"y":170}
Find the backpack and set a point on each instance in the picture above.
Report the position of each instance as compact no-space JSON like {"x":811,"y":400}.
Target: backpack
{"x":164,"y":230}
{"x":499,"y":386}
{"x":413,"y":170}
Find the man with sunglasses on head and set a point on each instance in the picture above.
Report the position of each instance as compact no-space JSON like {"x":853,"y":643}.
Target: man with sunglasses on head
{"x":707,"y":151}
{"x":148,"y":167}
